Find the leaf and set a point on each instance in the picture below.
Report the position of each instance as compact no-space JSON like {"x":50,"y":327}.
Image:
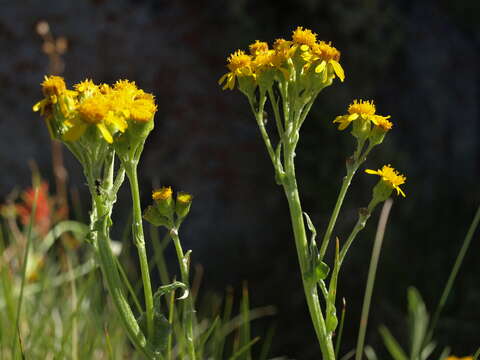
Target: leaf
{"x":162,"y":290}
{"x":392,"y":345}
{"x":418,"y":321}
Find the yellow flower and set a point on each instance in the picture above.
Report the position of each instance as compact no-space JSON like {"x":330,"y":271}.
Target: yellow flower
{"x":53,"y":85}
{"x":143,"y":109}
{"x":364,"y":110}
{"x":390,"y":176}
{"x":163,"y":193}
{"x":93,"y":111}
{"x":457,"y":358}
{"x":258,"y":47}
{"x":301,"y":36}
{"x":239,"y":64}
{"x":86,"y":86}
{"x":184,"y":197}
{"x":329,"y":57}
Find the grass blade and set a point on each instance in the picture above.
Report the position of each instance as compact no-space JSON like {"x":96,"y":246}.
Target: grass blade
{"x":24,"y":273}
{"x":372,"y":271}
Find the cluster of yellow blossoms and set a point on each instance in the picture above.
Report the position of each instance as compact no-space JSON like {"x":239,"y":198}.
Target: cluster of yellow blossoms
{"x":303,"y":52}
{"x":69,"y":113}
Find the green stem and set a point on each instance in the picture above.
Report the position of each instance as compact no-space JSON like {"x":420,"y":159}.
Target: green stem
{"x":188,"y":309}
{"x":139,"y":240}
{"x":363,"y":216}
{"x":309,"y":285}
{"x":351,"y":170}
{"x":372,"y":271}
{"x":336,"y":210}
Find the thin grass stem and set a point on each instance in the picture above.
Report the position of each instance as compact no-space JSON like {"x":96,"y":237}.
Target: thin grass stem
{"x":372,"y":271}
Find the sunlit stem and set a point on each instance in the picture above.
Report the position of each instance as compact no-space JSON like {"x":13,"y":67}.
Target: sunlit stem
{"x":188,"y":309}
{"x":352,"y":167}
{"x":139,"y":240}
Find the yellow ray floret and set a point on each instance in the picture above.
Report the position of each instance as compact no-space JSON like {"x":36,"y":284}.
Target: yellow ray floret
{"x":390,"y":176}
{"x":364,"y":110}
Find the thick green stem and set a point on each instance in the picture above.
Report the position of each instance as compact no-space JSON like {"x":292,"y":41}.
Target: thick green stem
{"x":309,"y":285}
{"x":188,"y":309}
{"x":139,"y":240}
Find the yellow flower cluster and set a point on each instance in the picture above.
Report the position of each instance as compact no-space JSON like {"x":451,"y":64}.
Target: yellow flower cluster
{"x":302,"y":52}
{"x":390,"y":176}
{"x":108,"y":108}
{"x":363,"y":110}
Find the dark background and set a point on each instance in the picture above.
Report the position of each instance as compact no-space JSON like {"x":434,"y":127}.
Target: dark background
{"x":417,"y":59}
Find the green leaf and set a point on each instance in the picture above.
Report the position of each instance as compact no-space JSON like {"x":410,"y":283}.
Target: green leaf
{"x":418,"y":321}
{"x":165,"y":289}
{"x":392,"y":345}
{"x":321,"y":271}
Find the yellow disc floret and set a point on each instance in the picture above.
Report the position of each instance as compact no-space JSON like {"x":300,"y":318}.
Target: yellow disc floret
{"x":53,"y":85}
{"x":390,"y":176}
{"x":258,"y":47}
{"x":361,"y":107}
{"x":162,"y":193}
{"x":303,"y":36}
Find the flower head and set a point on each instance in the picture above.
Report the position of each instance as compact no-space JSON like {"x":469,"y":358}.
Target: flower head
{"x":239,"y":64}
{"x":303,"y":36}
{"x":162,"y":193}
{"x":363,"y":110}
{"x":258,"y":47}
{"x":390,"y":176}
{"x":53,"y":85}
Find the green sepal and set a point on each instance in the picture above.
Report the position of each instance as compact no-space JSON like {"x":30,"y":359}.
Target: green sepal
{"x":154,"y":217}
{"x":129,"y":145}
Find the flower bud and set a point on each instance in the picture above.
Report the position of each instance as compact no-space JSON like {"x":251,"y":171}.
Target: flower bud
{"x":183,"y":203}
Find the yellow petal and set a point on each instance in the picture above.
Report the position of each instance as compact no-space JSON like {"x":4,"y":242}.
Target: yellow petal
{"x":353,"y":117}
{"x":222,"y":79}
{"x":337,"y":68}
{"x":105,"y":133}
{"x":40,"y":105}
{"x":75,"y":132}
{"x":304,"y":47}
{"x":320,"y":67}
{"x":374,"y":172}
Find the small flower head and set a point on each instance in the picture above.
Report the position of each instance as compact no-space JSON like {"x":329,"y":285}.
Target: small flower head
{"x":303,"y":36}
{"x":164,"y":201}
{"x":86,"y":87}
{"x":163,"y":193}
{"x":53,"y":85}
{"x":390,"y":177}
{"x":258,"y":47}
{"x":183,"y":203}
{"x":239,"y":65}
{"x":362,"y":113}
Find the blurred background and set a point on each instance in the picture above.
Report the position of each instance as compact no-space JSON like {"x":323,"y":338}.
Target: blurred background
{"x":417,"y":59}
